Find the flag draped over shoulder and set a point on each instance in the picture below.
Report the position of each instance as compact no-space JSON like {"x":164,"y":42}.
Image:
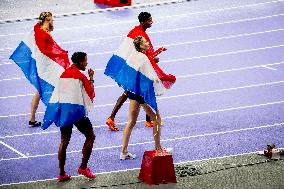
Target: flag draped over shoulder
{"x":42,"y":61}
{"x":71,"y":99}
{"x":167,"y":79}
{"x":137,"y":72}
{"x":132,"y":70}
{"x":65,"y":91}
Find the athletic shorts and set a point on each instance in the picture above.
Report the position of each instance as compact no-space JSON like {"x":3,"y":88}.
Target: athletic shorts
{"x":84,"y":125}
{"x":136,"y":97}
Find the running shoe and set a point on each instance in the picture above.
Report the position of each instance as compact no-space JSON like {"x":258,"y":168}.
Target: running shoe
{"x":169,"y":150}
{"x":63,"y":178}
{"x":87,"y":173}
{"x":34,"y":124}
{"x":128,"y":155}
{"x":111,"y":124}
{"x":149,"y":124}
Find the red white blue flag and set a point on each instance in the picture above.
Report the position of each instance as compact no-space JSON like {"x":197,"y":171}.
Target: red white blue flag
{"x":71,"y":100}
{"x":137,"y":72}
{"x":42,"y":61}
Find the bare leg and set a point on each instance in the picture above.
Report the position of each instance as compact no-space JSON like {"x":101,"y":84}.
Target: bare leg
{"x":118,"y":105}
{"x":87,"y":149}
{"x":134,"y":108}
{"x":148,"y":119}
{"x":65,"y":138}
{"x":34,"y":106}
{"x":156,"y":125}
{"x":85,"y":127}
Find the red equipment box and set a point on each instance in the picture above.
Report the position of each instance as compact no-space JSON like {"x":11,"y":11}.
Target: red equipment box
{"x":157,"y":168}
{"x":114,"y":3}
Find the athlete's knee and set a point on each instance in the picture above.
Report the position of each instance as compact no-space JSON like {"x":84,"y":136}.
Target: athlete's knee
{"x":122,"y":98}
{"x":131,"y":123}
{"x":91,"y":136}
{"x":65,"y":141}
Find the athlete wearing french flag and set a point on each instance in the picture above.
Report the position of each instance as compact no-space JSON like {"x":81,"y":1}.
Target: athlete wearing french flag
{"x":38,"y":55}
{"x":69,"y":105}
{"x":66,"y":92}
{"x":138,"y":74}
{"x":145,"y":20}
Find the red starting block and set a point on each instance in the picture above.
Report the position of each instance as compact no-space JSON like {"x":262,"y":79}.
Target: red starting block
{"x":114,"y":3}
{"x":157,"y":168}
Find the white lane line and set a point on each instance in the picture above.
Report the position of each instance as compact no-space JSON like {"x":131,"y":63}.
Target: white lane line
{"x":104,"y":86}
{"x":101,"y":53}
{"x":204,"y":56}
{"x":164,"y":140}
{"x":124,"y":170}
{"x":178,"y":29}
{"x":175,"y":29}
{"x":11,"y":79}
{"x":7,"y":49}
{"x":199,"y":41}
{"x":16,"y":96}
{"x":218,"y":23}
{"x":32,"y":134}
{"x":267,"y":67}
{"x":13,"y":149}
{"x":227,"y":109}
{"x":175,"y":60}
{"x":222,"y":90}
{"x":231,"y":70}
{"x":235,"y":21}
{"x":222,"y":157}
{"x":19,"y":78}
{"x":167,"y":117}
{"x":92,"y":39}
{"x":223,"y":54}
{"x":157,"y":18}
{"x":207,"y":112}
{"x":169,"y":97}
{"x":185,"y":76}
{"x":7,"y":63}
{"x":32,"y":94}
{"x":221,"y":38}
{"x":73,"y":176}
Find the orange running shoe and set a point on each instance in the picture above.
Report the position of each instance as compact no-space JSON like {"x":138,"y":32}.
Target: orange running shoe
{"x":149,"y":124}
{"x":111,"y":124}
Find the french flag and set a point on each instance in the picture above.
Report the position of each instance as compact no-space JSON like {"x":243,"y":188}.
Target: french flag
{"x":167,"y":79}
{"x":71,"y":100}
{"x":133,"y":71}
{"x":42,"y":61}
